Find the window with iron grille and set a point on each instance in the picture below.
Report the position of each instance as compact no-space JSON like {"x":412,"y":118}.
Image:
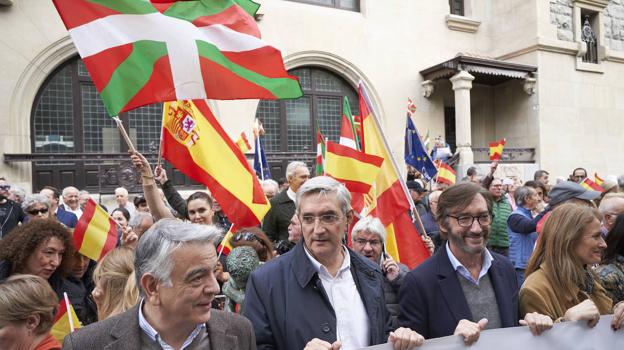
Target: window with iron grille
{"x":457,"y":7}
{"x":351,"y":5}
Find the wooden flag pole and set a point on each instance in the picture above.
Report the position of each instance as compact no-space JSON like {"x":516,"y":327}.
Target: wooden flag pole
{"x":123,"y":132}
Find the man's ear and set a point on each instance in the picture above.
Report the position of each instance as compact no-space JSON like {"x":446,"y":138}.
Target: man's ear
{"x":150,"y":285}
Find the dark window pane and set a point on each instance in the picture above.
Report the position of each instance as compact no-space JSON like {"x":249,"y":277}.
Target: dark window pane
{"x":82,"y":70}
{"x":457,"y":7}
{"x":326,"y":82}
{"x":144,"y":128}
{"x":350,"y":4}
{"x":304,"y":77}
{"x":100,"y":131}
{"x":298,"y":124}
{"x":54,"y":115}
{"x":269,"y":114}
{"x":330,"y":117}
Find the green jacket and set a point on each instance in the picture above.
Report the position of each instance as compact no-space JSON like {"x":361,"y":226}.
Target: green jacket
{"x":498,"y":231}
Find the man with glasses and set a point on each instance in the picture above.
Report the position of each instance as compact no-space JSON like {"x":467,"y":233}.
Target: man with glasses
{"x":501,"y":209}
{"x":11,"y":213}
{"x":464,"y":288}
{"x":321,"y":295}
{"x":368,"y":238}
{"x":578,"y":175}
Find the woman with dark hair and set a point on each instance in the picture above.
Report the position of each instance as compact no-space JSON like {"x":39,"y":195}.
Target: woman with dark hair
{"x":559,"y":280}
{"x":199,"y":208}
{"x":255,"y":238}
{"x":611,"y":270}
{"x":121,"y":215}
{"x":42,"y":248}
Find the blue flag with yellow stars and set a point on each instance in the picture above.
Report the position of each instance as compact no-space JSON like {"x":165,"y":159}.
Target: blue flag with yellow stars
{"x":415,"y":154}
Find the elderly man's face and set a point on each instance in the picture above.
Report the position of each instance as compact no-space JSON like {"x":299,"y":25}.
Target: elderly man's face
{"x":83,"y":199}
{"x":121,"y":197}
{"x":579,"y":175}
{"x":38,"y":211}
{"x":187,"y":302}
{"x":323,"y":225}
{"x":301,"y":175}
{"x":609,"y":216}
{"x":368,"y":244}
{"x":71,"y":198}
{"x":269,"y":191}
{"x":496,"y":188}
{"x":294,"y":229}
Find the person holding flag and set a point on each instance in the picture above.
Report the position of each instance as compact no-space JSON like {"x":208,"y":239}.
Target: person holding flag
{"x":27,"y":309}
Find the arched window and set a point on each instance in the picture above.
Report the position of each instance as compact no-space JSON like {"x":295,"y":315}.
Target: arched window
{"x":69,"y":122}
{"x":290,"y":125}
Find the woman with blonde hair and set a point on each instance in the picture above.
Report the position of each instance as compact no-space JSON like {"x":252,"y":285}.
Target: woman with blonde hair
{"x":27,"y":309}
{"x":560,"y":282}
{"x":115,"y":286}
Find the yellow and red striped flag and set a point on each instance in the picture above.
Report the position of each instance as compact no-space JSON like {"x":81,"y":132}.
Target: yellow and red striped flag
{"x":446,"y":174}
{"x":196,"y":144}
{"x":590,"y":185}
{"x":357,"y":170}
{"x":388,"y":199}
{"x":225,"y":247}
{"x":96,"y":233}
{"x":496,"y":149}
{"x":64,"y":322}
{"x":598,"y":180}
{"x":242,"y":143}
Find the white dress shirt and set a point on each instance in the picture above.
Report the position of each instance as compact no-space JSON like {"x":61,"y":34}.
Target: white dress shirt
{"x":352,"y":326}
{"x":459,"y":267}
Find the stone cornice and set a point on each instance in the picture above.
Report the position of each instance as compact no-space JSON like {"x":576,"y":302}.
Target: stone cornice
{"x":462,"y":24}
{"x":595,"y":4}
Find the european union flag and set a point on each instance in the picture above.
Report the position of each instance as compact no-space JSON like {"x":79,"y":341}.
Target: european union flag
{"x":261,"y":166}
{"x":415,"y":154}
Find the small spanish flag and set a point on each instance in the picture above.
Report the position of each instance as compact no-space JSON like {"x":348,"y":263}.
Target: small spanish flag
{"x":96,"y":233}
{"x":65,"y":322}
{"x":598,"y":180}
{"x":357,"y":170}
{"x":242,"y":143}
{"x":590,"y":185}
{"x":446,"y":174}
{"x":225,"y":247}
{"x":496,"y":149}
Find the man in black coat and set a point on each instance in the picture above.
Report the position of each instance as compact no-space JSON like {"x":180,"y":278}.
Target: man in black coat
{"x":321,"y":295}
{"x":11,"y":213}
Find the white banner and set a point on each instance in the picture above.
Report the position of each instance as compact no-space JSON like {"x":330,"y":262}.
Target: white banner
{"x":566,"y":335}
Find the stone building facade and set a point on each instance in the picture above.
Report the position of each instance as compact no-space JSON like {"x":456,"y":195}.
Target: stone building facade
{"x":486,"y":70}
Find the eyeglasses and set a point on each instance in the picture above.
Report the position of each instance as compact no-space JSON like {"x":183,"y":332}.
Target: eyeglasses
{"x":5,"y":187}
{"x":468,"y":220}
{"x":37,"y":211}
{"x":247,"y":236}
{"x":372,"y":242}
{"x":326,"y":219}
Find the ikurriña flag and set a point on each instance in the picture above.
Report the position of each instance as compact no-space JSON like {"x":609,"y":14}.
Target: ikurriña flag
{"x":320,"y":152}
{"x":96,"y":232}
{"x":357,"y":170}
{"x":139,"y":53}
{"x":196,"y":144}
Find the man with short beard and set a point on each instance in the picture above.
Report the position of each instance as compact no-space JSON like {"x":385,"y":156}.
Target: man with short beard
{"x":464,"y":288}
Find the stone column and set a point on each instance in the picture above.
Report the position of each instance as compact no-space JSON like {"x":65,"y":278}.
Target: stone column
{"x":462,"y":83}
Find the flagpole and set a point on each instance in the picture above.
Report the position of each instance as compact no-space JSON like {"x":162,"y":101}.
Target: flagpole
{"x":160,"y":142}
{"x":223,"y":243}
{"x":69,"y":313}
{"x":394,"y":164}
{"x":123,"y":132}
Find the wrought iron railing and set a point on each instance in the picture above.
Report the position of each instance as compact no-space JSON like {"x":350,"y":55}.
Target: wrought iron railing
{"x":510,"y":155}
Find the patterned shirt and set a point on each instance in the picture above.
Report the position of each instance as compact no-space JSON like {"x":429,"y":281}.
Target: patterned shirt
{"x":612,"y":278}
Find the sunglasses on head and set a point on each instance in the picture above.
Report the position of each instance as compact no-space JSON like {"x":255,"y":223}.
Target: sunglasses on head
{"x":247,"y":236}
{"x":37,"y":211}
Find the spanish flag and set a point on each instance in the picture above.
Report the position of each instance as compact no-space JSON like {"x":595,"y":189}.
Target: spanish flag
{"x":96,"y":233}
{"x":598,"y":180}
{"x":357,"y":170}
{"x":64,"y":322}
{"x":225,"y":247}
{"x":446,"y":174}
{"x":243,"y":144}
{"x":591,"y":186}
{"x":496,"y":149}
{"x":196,"y":144}
{"x":388,"y":199}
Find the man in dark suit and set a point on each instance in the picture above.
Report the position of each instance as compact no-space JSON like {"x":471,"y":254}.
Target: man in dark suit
{"x":177,"y":287}
{"x":321,"y":295}
{"x":64,"y":217}
{"x":277,"y":219}
{"x":464,"y":288}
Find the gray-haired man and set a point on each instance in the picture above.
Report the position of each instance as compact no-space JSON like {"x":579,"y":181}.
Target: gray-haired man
{"x":174,"y":266}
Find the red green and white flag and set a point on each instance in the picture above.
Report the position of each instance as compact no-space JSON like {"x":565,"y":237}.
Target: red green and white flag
{"x":320,"y":152}
{"x":348,"y":131}
{"x":140,"y":52}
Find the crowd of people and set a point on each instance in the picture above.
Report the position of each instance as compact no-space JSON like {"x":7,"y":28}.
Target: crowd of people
{"x":504,"y":254}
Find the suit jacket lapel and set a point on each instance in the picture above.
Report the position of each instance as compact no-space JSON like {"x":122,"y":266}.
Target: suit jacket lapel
{"x":126,"y":332}
{"x":451,"y":289}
